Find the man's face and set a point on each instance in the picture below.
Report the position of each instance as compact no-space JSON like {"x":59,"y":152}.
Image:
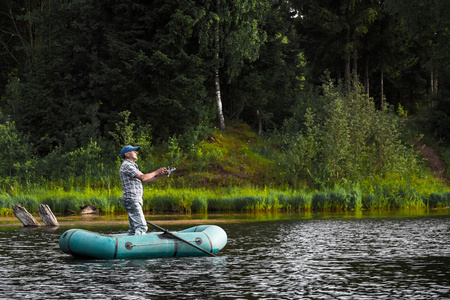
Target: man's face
{"x":132,"y":155}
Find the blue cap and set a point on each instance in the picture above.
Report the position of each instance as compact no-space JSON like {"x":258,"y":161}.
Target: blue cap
{"x":127,"y":149}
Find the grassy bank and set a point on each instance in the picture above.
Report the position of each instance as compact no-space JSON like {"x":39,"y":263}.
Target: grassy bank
{"x":233,"y":171}
{"x":230,"y":200}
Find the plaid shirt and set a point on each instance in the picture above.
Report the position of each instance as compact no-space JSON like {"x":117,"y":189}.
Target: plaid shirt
{"x":131,"y":186}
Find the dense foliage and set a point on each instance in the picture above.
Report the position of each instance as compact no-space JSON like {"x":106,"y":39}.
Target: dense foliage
{"x":327,"y":84}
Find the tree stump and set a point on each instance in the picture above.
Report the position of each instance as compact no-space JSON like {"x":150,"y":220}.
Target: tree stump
{"x":46,"y":215}
{"x":24,"y":216}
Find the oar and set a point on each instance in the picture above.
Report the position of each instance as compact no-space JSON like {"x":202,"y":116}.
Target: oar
{"x":181,"y":239}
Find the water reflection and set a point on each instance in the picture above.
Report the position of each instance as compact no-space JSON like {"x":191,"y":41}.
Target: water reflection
{"x":291,"y":258}
{"x":202,"y":218}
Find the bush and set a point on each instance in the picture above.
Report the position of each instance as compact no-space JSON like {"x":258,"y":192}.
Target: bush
{"x":347,"y":140}
{"x":438,"y":200}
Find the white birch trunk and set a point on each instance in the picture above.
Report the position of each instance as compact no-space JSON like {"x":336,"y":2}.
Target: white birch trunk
{"x":216,"y":73}
{"x":219,"y":101}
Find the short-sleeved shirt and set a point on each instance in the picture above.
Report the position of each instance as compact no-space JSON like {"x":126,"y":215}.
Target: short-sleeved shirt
{"x":133,"y":190}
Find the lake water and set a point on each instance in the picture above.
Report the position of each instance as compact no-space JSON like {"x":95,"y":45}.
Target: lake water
{"x":289,"y":258}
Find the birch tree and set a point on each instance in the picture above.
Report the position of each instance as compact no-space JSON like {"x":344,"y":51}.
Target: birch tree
{"x":237,"y":38}
{"x":216,"y":71}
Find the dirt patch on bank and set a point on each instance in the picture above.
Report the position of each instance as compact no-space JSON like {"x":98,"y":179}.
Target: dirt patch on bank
{"x":434,"y":159}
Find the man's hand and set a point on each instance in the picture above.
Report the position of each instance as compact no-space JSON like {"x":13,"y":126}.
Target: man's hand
{"x":163,"y":172}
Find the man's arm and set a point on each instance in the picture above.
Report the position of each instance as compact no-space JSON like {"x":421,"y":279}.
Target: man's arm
{"x":153,"y":176}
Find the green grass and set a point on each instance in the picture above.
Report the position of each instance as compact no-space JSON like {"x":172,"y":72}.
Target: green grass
{"x":232,"y":171}
{"x":231,"y":200}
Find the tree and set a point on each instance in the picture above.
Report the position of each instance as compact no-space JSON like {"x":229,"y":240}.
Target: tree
{"x":266,"y":91}
{"x":427,"y":24}
{"x":425,"y":85}
{"x":237,"y":38}
{"x":150,"y":59}
{"x":333,"y":31}
{"x":100,"y":58}
{"x":16,"y":151}
{"x":53,"y":103}
{"x":216,"y":71}
{"x":385,"y":49}
{"x":348,"y":140}
{"x":17,"y":36}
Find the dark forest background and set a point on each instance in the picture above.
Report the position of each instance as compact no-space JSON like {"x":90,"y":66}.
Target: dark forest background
{"x":331,"y":84}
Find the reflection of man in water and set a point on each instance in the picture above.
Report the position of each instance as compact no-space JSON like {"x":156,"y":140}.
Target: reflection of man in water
{"x":133,"y":191}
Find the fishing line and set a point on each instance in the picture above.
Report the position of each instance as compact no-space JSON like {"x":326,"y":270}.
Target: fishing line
{"x":186,"y":151}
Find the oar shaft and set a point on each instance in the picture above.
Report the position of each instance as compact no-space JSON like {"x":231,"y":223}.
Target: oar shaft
{"x":181,"y":239}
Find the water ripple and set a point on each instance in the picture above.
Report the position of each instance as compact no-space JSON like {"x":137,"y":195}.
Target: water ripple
{"x":405,"y":258}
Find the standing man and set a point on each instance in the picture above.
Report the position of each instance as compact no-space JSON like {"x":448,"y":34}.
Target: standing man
{"x":133,"y":191}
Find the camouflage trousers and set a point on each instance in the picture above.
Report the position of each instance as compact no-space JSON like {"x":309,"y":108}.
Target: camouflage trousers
{"x":138,"y":224}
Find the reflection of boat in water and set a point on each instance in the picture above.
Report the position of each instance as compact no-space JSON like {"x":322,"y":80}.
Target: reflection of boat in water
{"x":83,"y":243}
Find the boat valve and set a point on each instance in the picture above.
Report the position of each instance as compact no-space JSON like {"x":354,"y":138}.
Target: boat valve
{"x":129,"y":245}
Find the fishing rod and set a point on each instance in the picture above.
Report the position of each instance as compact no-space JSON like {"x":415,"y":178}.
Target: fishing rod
{"x":185,"y":152}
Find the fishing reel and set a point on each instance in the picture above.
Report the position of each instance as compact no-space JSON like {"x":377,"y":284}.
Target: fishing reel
{"x":170,"y":169}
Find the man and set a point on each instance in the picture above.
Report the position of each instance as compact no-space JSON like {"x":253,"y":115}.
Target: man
{"x":133,"y":191}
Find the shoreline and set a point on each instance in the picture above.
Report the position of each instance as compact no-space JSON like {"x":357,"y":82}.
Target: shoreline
{"x":104,"y":220}
{"x":124,"y":223}
{"x":221,"y":218}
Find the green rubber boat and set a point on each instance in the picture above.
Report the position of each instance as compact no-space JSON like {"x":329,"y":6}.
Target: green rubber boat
{"x":196,"y":241}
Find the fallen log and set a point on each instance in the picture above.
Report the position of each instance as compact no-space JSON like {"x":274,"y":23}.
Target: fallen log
{"x":24,"y":216}
{"x":47,"y":215}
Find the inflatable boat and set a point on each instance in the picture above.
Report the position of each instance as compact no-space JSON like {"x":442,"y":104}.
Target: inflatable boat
{"x":195,"y":241}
